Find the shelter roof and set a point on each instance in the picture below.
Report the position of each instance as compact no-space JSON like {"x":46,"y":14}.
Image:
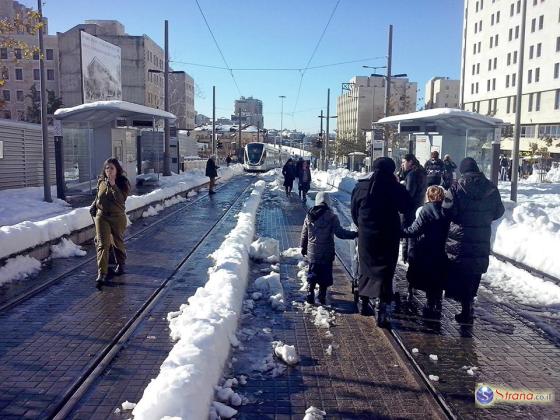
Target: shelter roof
{"x":102,"y":112}
{"x":451,"y":118}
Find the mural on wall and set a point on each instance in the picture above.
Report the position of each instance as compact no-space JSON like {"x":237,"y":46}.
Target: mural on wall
{"x":101,"y":69}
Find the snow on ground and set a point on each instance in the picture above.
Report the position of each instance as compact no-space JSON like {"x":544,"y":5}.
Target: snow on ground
{"x":265,"y":249}
{"x":65,"y":249}
{"x":19,"y":268}
{"x":205,"y":329}
{"x":43,"y":228}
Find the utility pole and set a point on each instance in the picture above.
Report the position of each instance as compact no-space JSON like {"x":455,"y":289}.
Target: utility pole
{"x":282,"y":97}
{"x":239,"y":127}
{"x":388,"y":83}
{"x":515,"y":151}
{"x":45,"y":131}
{"x":213,"y":120}
{"x":327,"y":139}
{"x":166,"y":157}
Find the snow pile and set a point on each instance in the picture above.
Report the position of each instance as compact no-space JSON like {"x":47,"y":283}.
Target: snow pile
{"x":553,"y":175}
{"x":529,"y":232}
{"x":270,"y":366}
{"x":434,"y":378}
{"x":204,"y":329}
{"x":27,"y":234}
{"x":19,"y":268}
{"x":66,"y":248}
{"x":265,"y":249}
{"x":128,"y":405}
{"x":341,"y":179}
{"x":285,"y":353}
{"x":220,"y":410}
{"x":322,"y":317}
{"x":433,"y":357}
{"x":292,"y":253}
{"x":519,"y":285}
{"x":313,"y":413}
{"x":272,"y":285}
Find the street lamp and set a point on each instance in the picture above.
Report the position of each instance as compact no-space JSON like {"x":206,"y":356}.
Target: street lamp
{"x":282,"y":97}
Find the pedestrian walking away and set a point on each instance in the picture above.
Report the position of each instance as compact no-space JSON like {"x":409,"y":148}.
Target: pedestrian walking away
{"x":289,"y":173}
{"x":427,"y":260}
{"x":434,"y":169}
{"x":304,"y":179}
{"x":376,"y":204}
{"x":317,"y":243}
{"x":449,"y":168}
{"x":415,"y":183}
{"x":299,"y":164}
{"x":504,"y":164}
{"x":212,"y":173}
{"x":109,"y":213}
{"x":471,"y":205}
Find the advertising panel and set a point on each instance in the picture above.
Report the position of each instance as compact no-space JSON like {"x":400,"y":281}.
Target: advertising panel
{"x":101,"y":69}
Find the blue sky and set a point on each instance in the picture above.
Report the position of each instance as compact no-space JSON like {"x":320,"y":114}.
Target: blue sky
{"x":283,"y":34}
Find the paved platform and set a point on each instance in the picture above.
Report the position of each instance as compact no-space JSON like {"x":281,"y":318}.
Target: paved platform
{"x":364,"y":377}
{"x":55,"y":336}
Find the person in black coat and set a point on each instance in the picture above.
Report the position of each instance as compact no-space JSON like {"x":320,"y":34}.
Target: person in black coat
{"x":427,"y":260}
{"x":471,"y":205}
{"x":304,"y":180}
{"x":434,"y":169}
{"x":415,"y":184}
{"x":212,"y":173}
{"x":289,"y":173}
{"x":376,"y":204}
{"x":448,"y":170}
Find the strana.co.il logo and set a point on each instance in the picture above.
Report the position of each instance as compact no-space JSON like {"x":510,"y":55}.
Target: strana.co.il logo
{"x":484,"y":395}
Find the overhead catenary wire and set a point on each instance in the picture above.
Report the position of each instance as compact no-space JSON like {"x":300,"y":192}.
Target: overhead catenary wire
{"x":218,"y":46}
{"x":313,"y":54}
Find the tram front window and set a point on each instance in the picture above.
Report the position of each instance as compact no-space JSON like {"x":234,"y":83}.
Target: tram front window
{"x":254,"y":153}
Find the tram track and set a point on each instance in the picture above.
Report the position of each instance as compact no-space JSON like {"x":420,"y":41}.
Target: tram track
{"x":136,"y":235}
{"x":103,"y":359}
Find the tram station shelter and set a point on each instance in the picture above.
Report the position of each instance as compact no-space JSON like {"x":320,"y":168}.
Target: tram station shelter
{"x":92,"y":132}
{"x":450,"y":131}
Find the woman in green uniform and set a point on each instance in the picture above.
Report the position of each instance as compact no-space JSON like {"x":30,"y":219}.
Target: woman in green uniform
{"x":108,"y":211}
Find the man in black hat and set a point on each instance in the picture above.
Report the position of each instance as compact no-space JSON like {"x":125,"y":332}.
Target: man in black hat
{"x":471,"y":204}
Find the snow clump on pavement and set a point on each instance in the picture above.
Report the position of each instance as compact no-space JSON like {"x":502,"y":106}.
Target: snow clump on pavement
{"x":285,"y":352}
{"x":65,"y":249}
{"x":205,"y":328}
{"x":19,"y":268}
{"x":313,"y":413}
{"x":265,"y":249}
{"x":272,"y":285}
{"x":434,"y":378}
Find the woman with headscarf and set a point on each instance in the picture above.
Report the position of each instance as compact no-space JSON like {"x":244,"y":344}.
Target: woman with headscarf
{"x":471,"y":204}
{"x":289,"y":172}
{"x":376,"y":204}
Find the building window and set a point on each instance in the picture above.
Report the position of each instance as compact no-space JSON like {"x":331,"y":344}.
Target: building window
{"x":489,"y":64}
{"x":556,"y":70}
{"x":513,"y":76}
{"x":479,"y":46}
{"x":475,"y":27}
{"x":494,"y":84}
{"x":539,"y":48}
{"x":518,"y":6}
{"x":19,"y":74}
{"x":511,"y":9}
{"x":530,"y":104}
{"x":538,"y":101}
{"x":476,"y":87}
{"x":510,"y":35}
{"x":36,"y":74}
{"x":557,"y":43}
{"x":498,"y":17}
{"x":473,"y":69}
{"x":19,"y":95}
{"x":508,"y":109}
{"x":476,"y":7}
{"x":496,"y":40}
{"x":557,"y":99}
{"x":17,"y":53}
{"x":5,"y":73}
{"x":478,"y":68}
{"x":481,"y":4}
{"x":549,"y":130}
{"x":507,"y":80}
{"x":495,"y":63}
{"x":533,"y":24}
{"x":35,"y":55}
{"x":4,"y":53}
{"x":531,"y":50}
{"x":491,"y":41}
{"x":474,"y":48}
{"x":537,"y":74}
{"x":530,"y":76}
{"x":492,"y":19}
{"x":514,"y":104}
{"x":509,"y":59}
{"x":517,"y":32}
{"x":50,"y":74}
{"x":50,"y":54}
{"x":6,"y":95}
{"x":488,"y":85}
{"x":515,"y":57}
{"x":527,"y":131}
{"x":541,"y":22}
{"x":472,"y":88}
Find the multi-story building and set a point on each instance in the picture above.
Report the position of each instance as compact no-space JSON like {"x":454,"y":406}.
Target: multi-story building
{"x":490,"y":59}
{"x":201,"y":119}
{"x":181,"y":99}
{"x":142,"y":63}
{"x":251,"y":110}
{"x":20,"y":74}
{"x":363,"y":102}
{"x":442,"y":92}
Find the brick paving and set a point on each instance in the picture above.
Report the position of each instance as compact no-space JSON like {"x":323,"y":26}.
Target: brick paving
{"x":49,"y":340}
{"x":364,"y":377}
{"x":508,"y":350}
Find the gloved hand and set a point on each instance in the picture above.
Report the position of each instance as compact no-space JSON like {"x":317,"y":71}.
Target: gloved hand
{"x":93,"y":210}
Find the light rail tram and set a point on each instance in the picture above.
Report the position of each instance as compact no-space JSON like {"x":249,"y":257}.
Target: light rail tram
{"x":261,"y":157}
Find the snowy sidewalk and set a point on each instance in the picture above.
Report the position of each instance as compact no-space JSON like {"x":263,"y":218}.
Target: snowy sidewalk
{"x":344,"y":366}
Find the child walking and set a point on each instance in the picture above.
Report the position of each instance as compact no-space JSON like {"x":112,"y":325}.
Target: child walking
{"x":317,"y":242}
{"x":427,"y":260}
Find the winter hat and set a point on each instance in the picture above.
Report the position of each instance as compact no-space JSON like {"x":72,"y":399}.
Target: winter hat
{"x":468,"y":164}
{"x":384,"y":164}
{"x":322,"y":197}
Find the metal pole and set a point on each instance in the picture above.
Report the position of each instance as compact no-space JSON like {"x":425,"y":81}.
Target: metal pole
{"x":213,"y":143}
{"x":515,"y":151}
{"x":166,"y":160}
{"x":44,"y":128}
{"x":328,"y":118}
{"x":388,"y":84}
{"x":239,"y":128}
{"x":281,"y":119}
